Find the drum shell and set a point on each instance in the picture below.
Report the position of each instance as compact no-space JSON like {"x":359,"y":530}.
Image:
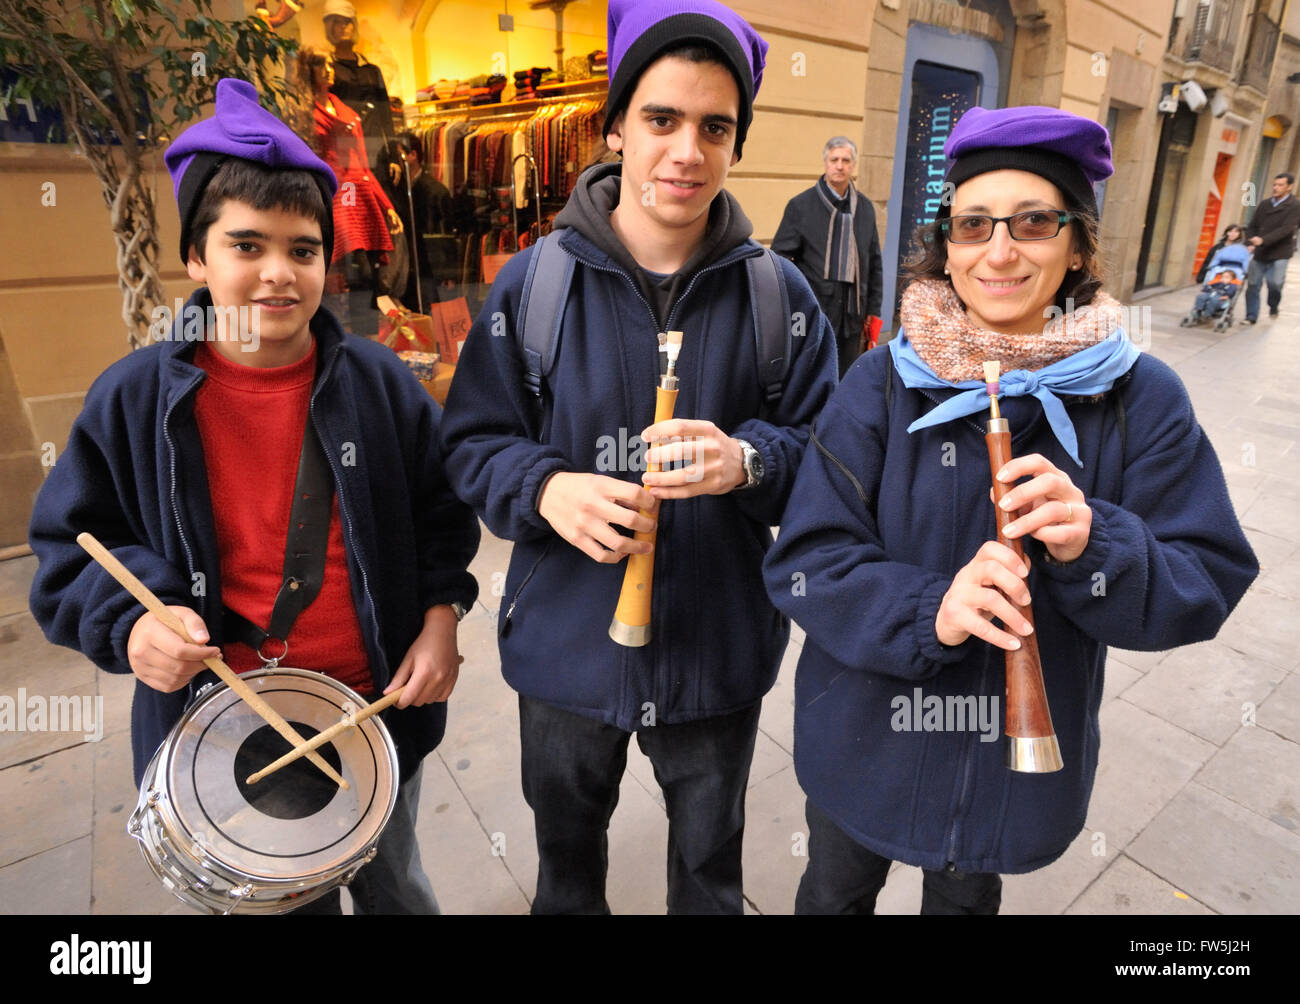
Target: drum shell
{"x":219,"y":881}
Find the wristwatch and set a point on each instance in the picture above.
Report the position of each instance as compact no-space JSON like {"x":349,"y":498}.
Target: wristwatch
{"x":752,"y":461}
{"x":460,"y":610}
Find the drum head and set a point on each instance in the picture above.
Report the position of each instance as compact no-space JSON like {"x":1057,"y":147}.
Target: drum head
{"x":295,"y":823}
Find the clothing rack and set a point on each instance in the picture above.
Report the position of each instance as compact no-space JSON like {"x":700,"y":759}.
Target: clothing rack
{"x":560,"y":131}
{"x":483,"y":153}
{"x":552,"y":94}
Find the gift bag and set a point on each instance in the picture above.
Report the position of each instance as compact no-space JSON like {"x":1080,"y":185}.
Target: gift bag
{"x":451,"y":327}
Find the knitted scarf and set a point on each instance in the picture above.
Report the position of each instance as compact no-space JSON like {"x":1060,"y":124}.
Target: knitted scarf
{"x":956,"y":350}
{"x":1080,"y":354}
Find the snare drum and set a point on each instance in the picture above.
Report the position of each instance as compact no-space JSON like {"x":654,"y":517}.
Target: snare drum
{"x":225,"y":846}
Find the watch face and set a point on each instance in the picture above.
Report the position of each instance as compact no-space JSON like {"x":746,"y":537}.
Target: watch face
{"x":753,"y":466}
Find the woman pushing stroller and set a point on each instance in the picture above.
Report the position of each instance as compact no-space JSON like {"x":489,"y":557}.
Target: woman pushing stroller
{"x":1223,"y":274}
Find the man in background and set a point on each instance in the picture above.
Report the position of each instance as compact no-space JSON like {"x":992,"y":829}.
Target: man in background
{"x":426,"y":210}
{"x":1271,"y":237}
{"x":829,"y":231}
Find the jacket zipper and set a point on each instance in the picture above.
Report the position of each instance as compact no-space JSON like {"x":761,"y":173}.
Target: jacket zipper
{"x":176,"y":512}
{"x":659,"y":685}
{"x":968,"y":760}
{"x":618,"y":271}
{"x":505,"y":621}
{"x":190,"y":689}
{"x":691,"y":285}
{"x":965,"y":779}
{"x":345,"y":513}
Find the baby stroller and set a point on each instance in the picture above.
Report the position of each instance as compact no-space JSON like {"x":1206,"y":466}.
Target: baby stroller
{"x":1224,"y":282}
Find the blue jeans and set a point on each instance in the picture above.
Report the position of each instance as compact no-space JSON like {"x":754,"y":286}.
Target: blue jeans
{"x":572,"y":766}
{"x":1260,"y":271}
{"x":844,"y":878}
{"x":394,"y":882}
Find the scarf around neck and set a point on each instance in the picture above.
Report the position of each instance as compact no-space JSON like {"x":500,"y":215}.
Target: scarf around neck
{"x":841,"y":244}
{"x":1082,"y":353}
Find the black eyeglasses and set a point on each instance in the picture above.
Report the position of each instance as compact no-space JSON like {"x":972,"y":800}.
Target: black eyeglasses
{"x":1035,"y":225}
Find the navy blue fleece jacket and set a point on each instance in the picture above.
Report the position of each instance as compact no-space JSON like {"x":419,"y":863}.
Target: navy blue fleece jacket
{"x":717,"y":641}
{"x":1165,"y":563}
{"x":133,"y":475}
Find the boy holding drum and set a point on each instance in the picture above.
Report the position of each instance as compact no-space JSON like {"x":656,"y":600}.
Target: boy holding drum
{"x":185,"y":462}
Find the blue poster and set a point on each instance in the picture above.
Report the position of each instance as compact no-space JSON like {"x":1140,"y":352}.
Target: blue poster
{"x":940,"y":96}
{"x":26,"y":120}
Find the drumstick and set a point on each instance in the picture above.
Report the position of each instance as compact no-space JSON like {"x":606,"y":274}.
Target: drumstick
{"x":322,"y":738}
{"x":228,"y":676}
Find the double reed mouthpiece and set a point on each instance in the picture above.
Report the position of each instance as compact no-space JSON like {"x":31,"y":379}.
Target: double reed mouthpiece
{"x":1031,"y":739}
{"x":631,"y":623}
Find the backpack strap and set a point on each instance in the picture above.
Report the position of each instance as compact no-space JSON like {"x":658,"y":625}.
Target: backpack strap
{"x":546,"y":290}
{"x":771,"y":327}
{"x":541,"y":309}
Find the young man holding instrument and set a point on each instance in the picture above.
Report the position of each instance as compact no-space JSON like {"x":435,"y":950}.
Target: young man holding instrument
{"x":648,"y":245}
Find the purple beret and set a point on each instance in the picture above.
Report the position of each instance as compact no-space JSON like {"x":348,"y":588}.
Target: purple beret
{"x":239,"y":127}
{"x":639,"y":30}
{"x":1068,"y":150}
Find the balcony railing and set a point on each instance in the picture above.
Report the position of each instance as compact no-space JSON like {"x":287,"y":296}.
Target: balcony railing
{"x":1212,"y":32}
{"x":1258,"y":64}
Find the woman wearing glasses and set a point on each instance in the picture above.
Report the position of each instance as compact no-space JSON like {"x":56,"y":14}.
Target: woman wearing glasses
{"x":888,"y":557}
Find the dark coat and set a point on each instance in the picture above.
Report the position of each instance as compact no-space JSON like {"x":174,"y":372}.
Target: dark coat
{"x":359,"y":84}
{"x":801,"y":237}
{"x":716,"y":639}
{"x":1165,"y":564}
{"x":133,"y":475}
{"x":1277,"y":225}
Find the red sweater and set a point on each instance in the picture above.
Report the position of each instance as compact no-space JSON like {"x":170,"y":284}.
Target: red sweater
{"x":251,"y":421}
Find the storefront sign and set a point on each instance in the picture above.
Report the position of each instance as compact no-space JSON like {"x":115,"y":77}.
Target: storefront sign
{"x":940,"y":96}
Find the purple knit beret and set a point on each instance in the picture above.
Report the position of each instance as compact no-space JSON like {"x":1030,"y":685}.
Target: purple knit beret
{"x":639,"y":30}
{"x":1068,"y":150}
{"x":239,"y":127}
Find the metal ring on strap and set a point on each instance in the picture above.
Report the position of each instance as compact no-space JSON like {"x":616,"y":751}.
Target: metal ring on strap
{"x":272,"y":662}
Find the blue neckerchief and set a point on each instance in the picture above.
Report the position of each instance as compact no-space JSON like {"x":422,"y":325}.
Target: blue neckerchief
{"x":1093,"y":370}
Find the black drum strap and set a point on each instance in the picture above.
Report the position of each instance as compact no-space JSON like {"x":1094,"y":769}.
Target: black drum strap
{"x":304,"y":551}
